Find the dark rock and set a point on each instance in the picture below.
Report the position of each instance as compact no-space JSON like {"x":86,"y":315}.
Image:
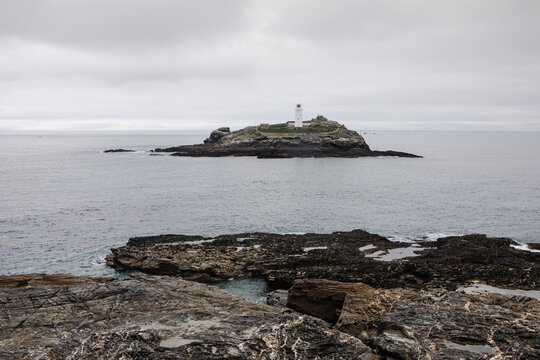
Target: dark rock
{"x":428,"y":324}
{"x":277,"y":298}
{"x":117,"y":150}
{"x":346,"y":256}
{"x":143,"y":317}
{"x":453,"y":325}
{"x":217,"y":134}
{"x":46,"y":281}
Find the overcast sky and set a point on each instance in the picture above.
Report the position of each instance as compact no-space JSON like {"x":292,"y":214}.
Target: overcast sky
{"x":132,"y":64}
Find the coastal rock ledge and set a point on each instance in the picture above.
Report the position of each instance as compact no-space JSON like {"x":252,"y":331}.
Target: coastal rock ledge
{"x":354,"y":256}
{"x":318,"y":137}
{"x":153,"y":317}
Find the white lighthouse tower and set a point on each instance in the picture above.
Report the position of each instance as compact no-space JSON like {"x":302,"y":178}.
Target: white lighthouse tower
{"x":298,"y":117}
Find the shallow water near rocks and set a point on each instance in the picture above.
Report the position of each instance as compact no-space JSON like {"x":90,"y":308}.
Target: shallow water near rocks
{"x":477,"y":288}
{"x":251,"y":288}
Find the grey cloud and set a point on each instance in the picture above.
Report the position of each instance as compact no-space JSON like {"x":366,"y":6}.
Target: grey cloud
{"x":379,"y":64}
{"x":121,"y":23}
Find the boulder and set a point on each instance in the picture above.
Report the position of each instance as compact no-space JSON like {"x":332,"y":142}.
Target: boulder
{"x":277,"y":298}
{"x":353,"y":308}
{"x":217,"y":135}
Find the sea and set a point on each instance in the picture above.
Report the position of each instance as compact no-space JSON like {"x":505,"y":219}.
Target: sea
{"x":64,"y":203}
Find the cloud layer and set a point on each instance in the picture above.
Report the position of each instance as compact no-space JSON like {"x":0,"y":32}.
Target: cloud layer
{"x":129,"y":64}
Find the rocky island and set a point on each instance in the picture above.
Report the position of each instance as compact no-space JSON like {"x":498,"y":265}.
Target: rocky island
{"x":318,"y":137}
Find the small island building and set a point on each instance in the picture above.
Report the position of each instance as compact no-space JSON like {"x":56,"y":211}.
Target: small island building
{"x":298,"y":118}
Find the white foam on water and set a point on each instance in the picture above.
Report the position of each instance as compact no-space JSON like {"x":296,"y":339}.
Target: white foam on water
{"x":246,"y":238}
{"x":421,"y":238}
{"x":194,"y":242}
{"x":524,"y":247}
{"x":398,"y":238}
{"x":99,"y":262}
{"x":307,"y":249}
{"x":477,"y":289}
{"x":367,"y":247}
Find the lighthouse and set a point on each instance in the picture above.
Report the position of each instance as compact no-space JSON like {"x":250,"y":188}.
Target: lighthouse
{"x":298,"y":118}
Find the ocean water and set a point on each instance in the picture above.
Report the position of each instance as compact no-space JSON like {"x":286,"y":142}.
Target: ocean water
{"x":64,"y":203}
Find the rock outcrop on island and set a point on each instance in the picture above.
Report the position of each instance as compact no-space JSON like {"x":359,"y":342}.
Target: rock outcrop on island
{"x":355,"y":256}
{"x":153,"y":317}
{"x":319,"y":137}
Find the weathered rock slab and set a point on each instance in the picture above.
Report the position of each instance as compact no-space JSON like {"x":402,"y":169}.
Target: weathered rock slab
{"x":152,"y":317}
{"x":426,"y":324}
{"x":352,"y":307}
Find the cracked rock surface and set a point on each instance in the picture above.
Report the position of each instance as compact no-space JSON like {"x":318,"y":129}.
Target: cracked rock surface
{"x":154,"y":317}
{"x":426,"y":324}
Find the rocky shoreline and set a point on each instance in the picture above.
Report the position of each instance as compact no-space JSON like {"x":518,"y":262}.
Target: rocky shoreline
{"x":355,"y":256}
{"x":345,"y":295}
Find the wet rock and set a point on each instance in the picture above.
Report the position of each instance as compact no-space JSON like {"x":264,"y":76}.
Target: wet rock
{"x":117,"y":150}
{"x":277,"y":298}
{"x":152,"y":317}
{"x":355,"y":256}
{"x":47,"y":281}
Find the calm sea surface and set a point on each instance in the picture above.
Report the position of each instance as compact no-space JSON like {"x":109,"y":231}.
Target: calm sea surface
{"x":63,"y":203}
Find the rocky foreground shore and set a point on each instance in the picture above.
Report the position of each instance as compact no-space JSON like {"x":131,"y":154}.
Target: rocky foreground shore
{"x":345,"y":295}
{"x":153,"y":317}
